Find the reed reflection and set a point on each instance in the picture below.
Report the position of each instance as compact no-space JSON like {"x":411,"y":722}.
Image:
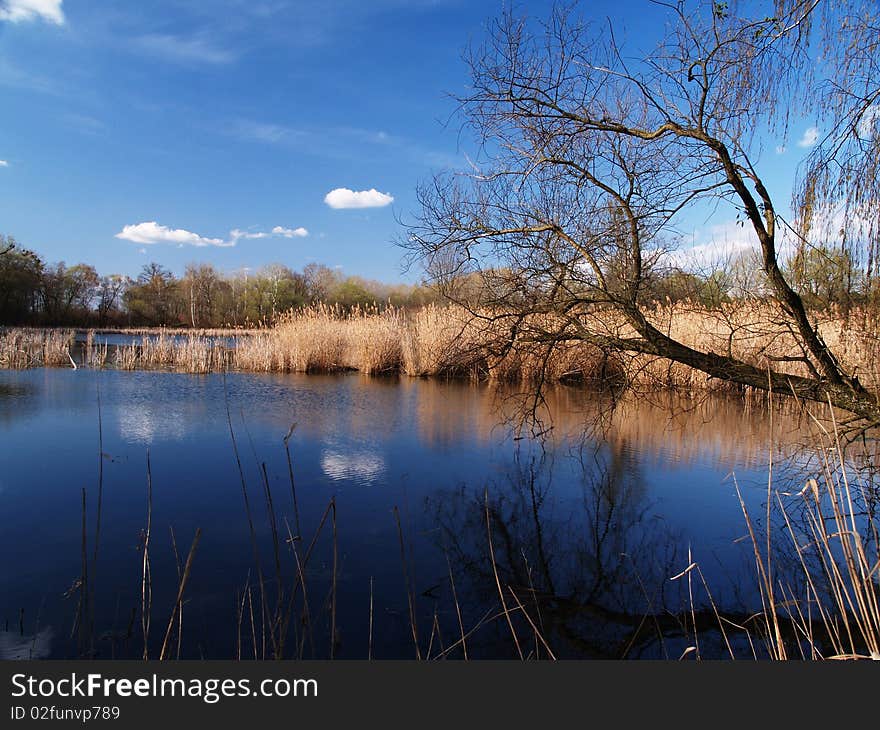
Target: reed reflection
{"x":589,"y":564}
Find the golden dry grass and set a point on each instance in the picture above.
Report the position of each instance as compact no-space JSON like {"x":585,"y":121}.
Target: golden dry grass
{"x":190,"y":353}
{"x":757,"y":333}
{"x":326,"y":339}
{"x":26,"y":348}
{"x":448,"y":341}
{"x":829,"y":598}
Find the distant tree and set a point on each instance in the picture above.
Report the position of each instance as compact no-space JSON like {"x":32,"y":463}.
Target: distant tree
{"x":320,"y":280}
{"x":67,"y":293}
{"x":677,"y":285}
{"x":111,"y":290}
{"x":747,"y":278}
{"x":351,"y":293}
{"x":825,"y":276}
{"x":21,"y":273}
{"x":261,"y":297}
{"x":154,"y":298}
{"x":200,"y":284}
{"x":285,"y":289}
{"x":254,"y":299}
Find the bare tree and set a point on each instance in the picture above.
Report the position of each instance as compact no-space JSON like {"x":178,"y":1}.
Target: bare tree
{"x":201,"y":282}
{"x":588,"y":159}
{"x":110,"y":291}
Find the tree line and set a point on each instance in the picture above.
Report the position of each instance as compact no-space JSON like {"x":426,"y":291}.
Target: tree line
{"x":35,"y":292}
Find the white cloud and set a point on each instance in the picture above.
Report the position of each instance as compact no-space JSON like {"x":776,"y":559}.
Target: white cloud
{"x":713,"y":245}
{"x":869,"y":124}
{"x":16,"y":11}
{"x":236,"y":234}
{"x":811,"y":136}
{"x":833,"y":222}
{"x":290,"y":232}
{"x":345,"y":198}
{"x":4,"y":163}
{"x":717,"y":245}
{"x":150,"y":232}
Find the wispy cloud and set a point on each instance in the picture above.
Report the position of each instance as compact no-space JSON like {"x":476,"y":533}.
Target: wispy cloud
{"x":4,"y":163}
{"x":150,"y":232}
{"x":17,"y":78}
{"x":198,"y":49}
{"x":811,"y":136}
{"x":250,"y":130}
{"x":342,"y":198}
{"x":235,"y":234}
{"x":17,"y":11}
{"x":290,"y":232}
{"x":836,"y":223}
{"x":341,"y":142}
{"x":720,"y":244}
{"x":85,"y":123}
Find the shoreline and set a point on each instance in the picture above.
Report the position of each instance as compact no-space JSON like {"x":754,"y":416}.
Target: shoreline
{"x":448,"y":343}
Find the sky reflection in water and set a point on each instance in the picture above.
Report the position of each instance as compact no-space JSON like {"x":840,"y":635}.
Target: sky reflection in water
{"x":592,"y":524}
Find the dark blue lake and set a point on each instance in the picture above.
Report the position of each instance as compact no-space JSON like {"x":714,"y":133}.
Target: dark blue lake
{"x":587,"y":526}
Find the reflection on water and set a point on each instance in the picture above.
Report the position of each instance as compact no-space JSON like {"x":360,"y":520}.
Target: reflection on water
{"x":587,"y":525}
{"x":590,"y":565}
{"x":147,"y":422}
{"x":358,"y":466}
{"x":16,"y":399}
{"x":17,"y":645}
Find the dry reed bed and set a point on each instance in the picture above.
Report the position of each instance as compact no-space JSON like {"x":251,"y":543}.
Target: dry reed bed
{"x":190,"y":353}
{"x":22,"y":348}
{"x":163,"y":330}
{"x":449,"y":341}
{"x":756,"y":333}
{"x":326,"y":339}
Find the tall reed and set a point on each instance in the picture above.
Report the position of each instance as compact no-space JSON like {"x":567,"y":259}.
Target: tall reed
{"x":450,"y":341}
{"x":26,"y":348}
{"x":831,"y":597}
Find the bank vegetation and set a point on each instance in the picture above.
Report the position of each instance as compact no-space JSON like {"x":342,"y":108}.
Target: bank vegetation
{"x":455,"y":342}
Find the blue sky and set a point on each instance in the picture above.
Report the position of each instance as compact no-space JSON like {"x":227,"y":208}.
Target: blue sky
{"x":214,"y":130}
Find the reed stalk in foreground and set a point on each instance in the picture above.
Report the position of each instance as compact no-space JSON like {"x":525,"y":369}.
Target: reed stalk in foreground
{"x":824,"y":601}
{"x":835,"y":541}
{"x":147,"y":580}
{"x":410,"y":597}
{"x":178,"y":604}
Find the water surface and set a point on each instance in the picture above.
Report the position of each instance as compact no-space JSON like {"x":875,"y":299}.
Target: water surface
{"x":589,"y":525}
